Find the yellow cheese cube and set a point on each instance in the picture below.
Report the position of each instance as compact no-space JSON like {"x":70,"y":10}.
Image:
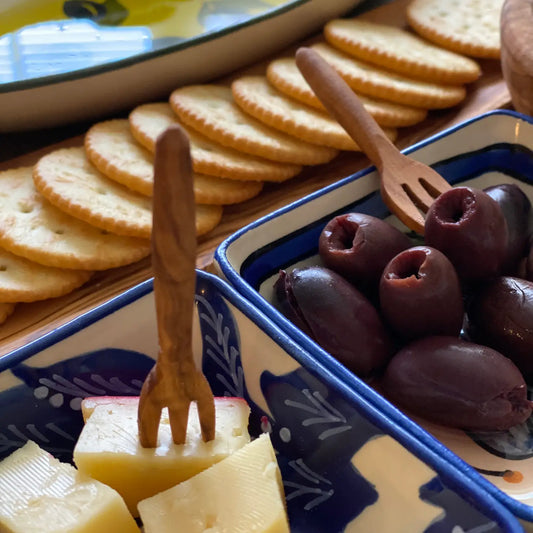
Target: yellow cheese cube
{"x":89,"y":404}
{"x":108,"y":448}
{"x":240,"y":494}
{"x":39,"y":494}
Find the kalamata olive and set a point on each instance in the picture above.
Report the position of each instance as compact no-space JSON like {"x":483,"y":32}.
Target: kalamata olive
{"x":336,"y":315}
{"x":516,"y":208}
{"x":284,"y":302}
{"x":525,"y":265}
{"x":457,"y":383}
{"x":358,"y":246}
{"x":529,"y":263}
{"x":469,"y":227}
{"x":420,"y":294}
{"x":501,"y":316}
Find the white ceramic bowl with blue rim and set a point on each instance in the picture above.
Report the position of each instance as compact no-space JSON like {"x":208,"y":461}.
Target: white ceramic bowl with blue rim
{"x":346,"y":466}
{"x":494,"y":148}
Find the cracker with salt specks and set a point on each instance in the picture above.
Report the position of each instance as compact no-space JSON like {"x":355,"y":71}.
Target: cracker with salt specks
{"x":6,"y":310}
{"x":112,"y":149}
{"x":469,"y":27}
{"x":211,"y":110}
{"x":22,"y":280}
{"x":67,"y":179}
{"x":284,"y":74}
{"x":32,"y":227}
{"x":375,"y":81}
{"x":256,"y":96}
{"x":148,"y":121}
{"x":401,"y":51}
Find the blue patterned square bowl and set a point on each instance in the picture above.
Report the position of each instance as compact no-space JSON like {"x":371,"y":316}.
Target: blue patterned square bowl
{"x":493,"y":148}
{"x":346,"y":465}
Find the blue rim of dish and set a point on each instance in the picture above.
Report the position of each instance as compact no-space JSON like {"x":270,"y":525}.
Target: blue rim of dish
{"x":152,"y":54}
{"x":519,"y":509}
{"x":454,"y":478}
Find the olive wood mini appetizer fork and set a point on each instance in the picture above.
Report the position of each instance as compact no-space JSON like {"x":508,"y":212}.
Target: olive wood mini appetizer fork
{"x":174,"y":381}
{"x":408,"y":187}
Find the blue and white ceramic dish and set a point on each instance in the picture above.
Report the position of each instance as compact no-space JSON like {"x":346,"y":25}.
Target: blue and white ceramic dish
{"x":346,"y":466}
{"x":493,"y":148}
{"x":63,"y":61}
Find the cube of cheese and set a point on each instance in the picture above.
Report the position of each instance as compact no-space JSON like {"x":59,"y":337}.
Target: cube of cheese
{"x":108,"y":448}
{"x":39,"y":494}
{"x":240,"y":494}
{"x":89,"y":404}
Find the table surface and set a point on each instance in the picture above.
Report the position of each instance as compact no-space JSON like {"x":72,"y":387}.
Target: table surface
{"x":24,"y":148}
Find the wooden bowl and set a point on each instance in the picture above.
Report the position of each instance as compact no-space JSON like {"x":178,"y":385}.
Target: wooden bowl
{"x":517,"y":52}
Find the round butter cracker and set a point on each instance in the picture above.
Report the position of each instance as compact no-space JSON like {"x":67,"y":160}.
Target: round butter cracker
{"x":113,"y":150}
{"x":211,"y":110}
{"x":32,"y":227}
{"x":148,"y":121}
{"x":284,"y":74}
{"x":469,"y":27}
{"x":22,"y":280}
{"x":401,"y":51}
{"x":379,"y":83}
{"x":207,"y":218}
{"x":256,"y":96}
{"x":221,"y":191}
{"x":68,"y":180}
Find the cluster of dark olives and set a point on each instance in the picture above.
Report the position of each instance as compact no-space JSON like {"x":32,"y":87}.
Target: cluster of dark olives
{"x":443,"y":328}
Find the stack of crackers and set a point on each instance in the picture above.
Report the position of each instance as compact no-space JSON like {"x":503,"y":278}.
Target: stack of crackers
{"x":88,"y":208}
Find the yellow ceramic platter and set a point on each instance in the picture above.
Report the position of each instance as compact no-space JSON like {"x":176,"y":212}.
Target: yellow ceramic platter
{"x":63,"y":61}
{"x":164,"y":18}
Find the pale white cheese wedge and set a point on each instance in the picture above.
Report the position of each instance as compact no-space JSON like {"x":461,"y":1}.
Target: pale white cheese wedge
{"x":240,"y":494}
{"x":108,"y":448}
{"x":39,"y":494}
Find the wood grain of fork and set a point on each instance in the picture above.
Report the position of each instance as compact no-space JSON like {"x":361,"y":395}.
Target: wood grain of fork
{"x":174,"y":381}
{"x":408,"y":187}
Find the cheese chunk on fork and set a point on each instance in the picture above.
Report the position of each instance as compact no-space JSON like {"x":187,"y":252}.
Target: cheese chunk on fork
{"x":108,"y":448}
